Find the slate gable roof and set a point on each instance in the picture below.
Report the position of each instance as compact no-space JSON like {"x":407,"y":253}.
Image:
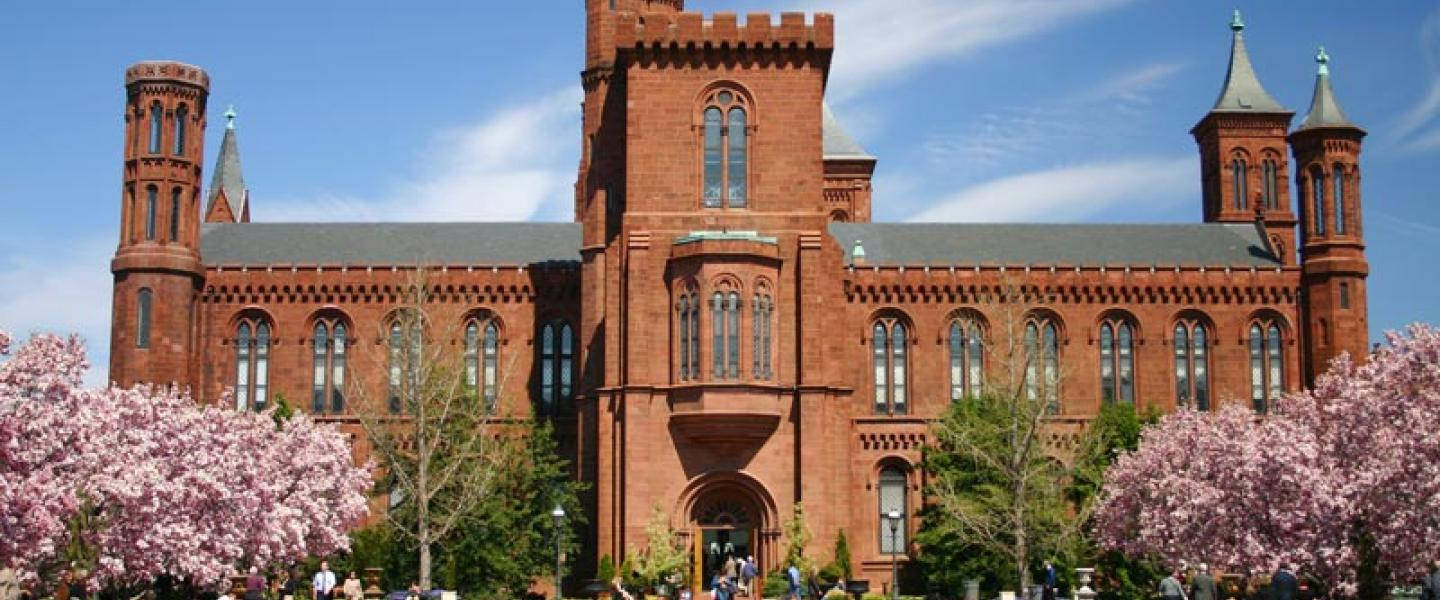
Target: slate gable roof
{"x":391,"y":244}
{"x":919,"y":244}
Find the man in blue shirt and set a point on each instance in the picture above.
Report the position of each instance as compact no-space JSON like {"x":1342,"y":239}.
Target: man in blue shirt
{"x":793,"y":575}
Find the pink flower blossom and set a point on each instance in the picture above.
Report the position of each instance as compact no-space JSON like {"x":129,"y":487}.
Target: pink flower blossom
{"x":171,"y":487}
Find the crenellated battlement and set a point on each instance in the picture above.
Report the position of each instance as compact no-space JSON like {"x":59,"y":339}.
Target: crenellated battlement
{"x":166,"y":71}
{"x":723,"y":30}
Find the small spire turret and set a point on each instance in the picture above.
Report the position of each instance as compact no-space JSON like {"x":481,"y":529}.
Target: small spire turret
{"x":1242,"y":91}
{"x":1324,"y":109}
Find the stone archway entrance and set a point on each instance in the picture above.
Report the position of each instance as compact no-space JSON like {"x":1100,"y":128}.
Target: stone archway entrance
{"x":728,"y":515}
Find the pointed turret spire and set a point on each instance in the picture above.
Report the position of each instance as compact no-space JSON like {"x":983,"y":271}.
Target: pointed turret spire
{"x":229,"y":201}
{"x":1242,"y":91}
{"x":1324,"y":110}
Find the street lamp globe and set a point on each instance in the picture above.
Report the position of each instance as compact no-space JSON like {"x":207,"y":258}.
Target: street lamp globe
{"x":894,"y":518}
{"x":558,"y":513}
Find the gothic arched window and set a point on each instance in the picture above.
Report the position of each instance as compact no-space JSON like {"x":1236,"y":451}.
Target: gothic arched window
{"x":142,"y":321}
{"x":252,"y":364}
{"x":557,"y":359}
{"x":725,"y":334}
{"x":328,"y":360}
{"x":157,"y":122}
{"x":1117,"y":360}
{"x":1267,"y":363}
{"x":888,"y":342}
{"x":482,"y":358}
{"x":1272,"y":189}
{"x":967,"y":358}
{"x":893,"y":484}
{"x":725,"y":141}
{"x":396,"y":366}
{"x":1317,"y":185}
{"x":1238,"y":175}
{"x":151,"y":193}
{"x":762,"y":307}
{"x":688,"y":317}
{"x":175,"y":215}
{"x":1339,"y":186}
{"x":180,"y":114}
{"x":1192,"y":364}
{"x":1042,"y":364}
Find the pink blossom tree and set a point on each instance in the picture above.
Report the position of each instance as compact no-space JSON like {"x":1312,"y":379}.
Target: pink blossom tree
{"x":121,"y":486}
{"x":1338,"y":479}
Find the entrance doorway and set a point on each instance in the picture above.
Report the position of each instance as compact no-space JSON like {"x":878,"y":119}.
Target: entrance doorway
{"x":727,"y":529}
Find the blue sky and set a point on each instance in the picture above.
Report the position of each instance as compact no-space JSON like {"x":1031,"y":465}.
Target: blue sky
{"x":981,"y":110}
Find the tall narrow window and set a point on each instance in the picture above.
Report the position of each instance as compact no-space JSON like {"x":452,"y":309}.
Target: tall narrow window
{"x":321,"y":344}
{"x":397,"y":366}
{"x":1339,"y":185}
{"x":695,"y":336}
{"x":892,"y":498}
{"x":761,"y":312}
{"x":766,"y":343}
{"x":1272,"y":187}
{"x":556,"y":361}
{"x":491,"y":366}
{"x":252,"y":364}
{"x":157,"y":123}
{"x":732,"y":337}
{"x":150,"y":200}
{"x":725,"y":133}
{"x":1117,"y":361}
{"x":1267,"y":364}
{"x":175,"y":215}
{"x":1107,"y":363}
{"x":180,"y":114}
{"x":142,"y":307}
{"x":482,"y":358}
{"x":1238,"y":174}
{"x":1192,"y":373}
{"x":1344,"y":295}
{"x":1042,"y":360}
{"x":735,"y":193}
{"x":683,"y":312}
{"x":890,"y":361}
{"x":1317,"y":182}
{"x":755,"y":307}
{"x":242,"y":367}
{"x":966,"y":361}
{"x":714,"y":158}
{"x":717,"y":335}
{"x":337,"y":370}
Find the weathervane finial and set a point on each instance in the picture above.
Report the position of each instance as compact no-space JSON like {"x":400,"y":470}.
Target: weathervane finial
{"x":1236,"y":23}
{"x":230,"y":117}
{"x":1323,"y":59}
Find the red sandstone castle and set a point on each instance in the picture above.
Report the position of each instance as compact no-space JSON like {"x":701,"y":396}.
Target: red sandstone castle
{"x":723,"y":330}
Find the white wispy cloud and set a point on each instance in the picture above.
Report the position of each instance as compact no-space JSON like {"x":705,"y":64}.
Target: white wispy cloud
{"x":1419,"y":128}
{"x":881,"y":40}
{"x":1068,"y":193}
{"x":64,"y":289}
{"x":514,"y":165}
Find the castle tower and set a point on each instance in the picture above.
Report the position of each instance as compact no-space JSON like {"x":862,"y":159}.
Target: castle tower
{"x":1242,"y":153}
{"x":1327,"y":159}
{"x":157,"y":263}
{"x":229,"y":200}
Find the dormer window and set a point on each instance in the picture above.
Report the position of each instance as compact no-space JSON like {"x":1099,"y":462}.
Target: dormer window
{"x":725,"y":129}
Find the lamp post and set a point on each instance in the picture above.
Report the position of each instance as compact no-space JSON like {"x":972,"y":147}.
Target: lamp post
{"x":893,"y":517}
{"x":558,"y":513}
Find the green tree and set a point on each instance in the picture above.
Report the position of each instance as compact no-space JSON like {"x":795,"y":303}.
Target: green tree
{"x":797,"y":536}
{"x":1116,"y":430}
{"x":842,"y":556}
{"x":663,"y":560}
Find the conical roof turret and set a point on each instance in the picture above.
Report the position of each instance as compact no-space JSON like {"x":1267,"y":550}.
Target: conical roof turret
{"x":228,"y":181}
{"x":1242,"y":91}
{"x":1324,"y":110}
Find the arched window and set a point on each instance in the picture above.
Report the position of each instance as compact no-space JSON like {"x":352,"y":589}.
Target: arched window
{"x":150,"y":200}
{"x":688,"y":317}
{"x":252,"y":364}
{"x":328,"y":360}
{"x":1344,"y":295}
{"x":725,"y":334}
{"x":967,"y":358}
{"x":1339,"y":185}
{"x":1117,"y":361}
{"x":157,"y":122}
{"x":1238,"y":175}
{"x":761,"y":309}
{"x":142,"y":308}
{"x":889,"y":342}
{"x":557,"y":358}
{"x":175,"y":215}
{"x":725,"y":146}
{"x":395,"y":387}
{"x":1267,"y":364}
{"x":1192,"y":364}
{"x":482,"y":357}
{"x":1042,"y":363}
{"x":180,"y":114}
{"x":1317,"y":184}
{"x":1272,"y":188}
{"x":892,"y":498}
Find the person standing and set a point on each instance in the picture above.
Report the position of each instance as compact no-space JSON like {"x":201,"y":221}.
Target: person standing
{"x":1170,"y":588}
{"x":1283,"y":585}
{"x":1430,"y":585}
{"x":287,"y":585}
{"x":351,"y":588}
{"x":792,"y":576}
{"x":748,"y":571}
{"x":323,"y":585}
{"x":1050,"y":582}
{"x":1203,"y":586}
{"x":814,"y":584}
{"x":732,"y":569}
{"x":254,"y":585}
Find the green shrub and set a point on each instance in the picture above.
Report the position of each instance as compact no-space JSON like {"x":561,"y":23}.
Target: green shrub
{"x":775,"y":585}
{"x":606,"y":570}
{"x":874,"y":596}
